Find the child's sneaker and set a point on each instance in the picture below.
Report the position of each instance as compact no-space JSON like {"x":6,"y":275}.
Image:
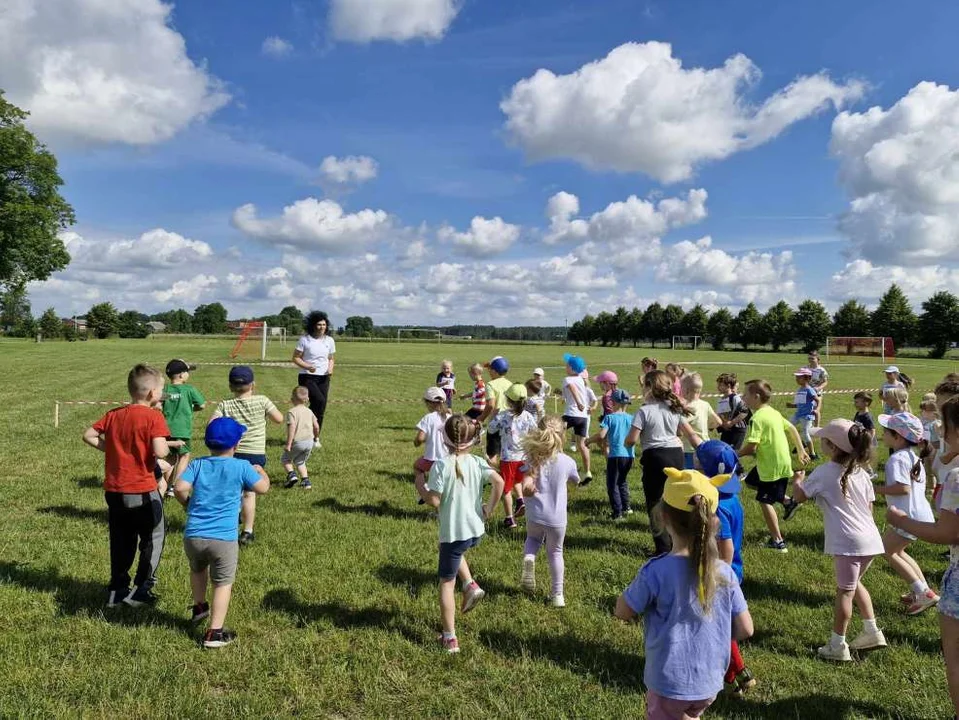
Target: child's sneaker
{"x":115,"y":598}
{"x":628,"y":511}
{"x":617,"y":518}
{"x":520,"y":508}
{"x":169,"y":492}
{"x":246,"y":538}
{"x":306,"y":485}
{"x":141,"y":596}
{"x":745,"y":681}
{"x":836,"y":653}
{"x":922,"y":602}
{"x":907,"y":598}
{"x":791,"y":506}
{"x":587,"y":479}
{"x":218,"y":638}
{"x":291,"y":481}
{"x":471,"y":596}
{"x":528,"y":578}
{"x":868,"y":641}
{"x":777,"y":545}
{"x":509,"y":522}
{"x":201,"y":611}
{"x":557,"y":601}
{"x":450,"y":645}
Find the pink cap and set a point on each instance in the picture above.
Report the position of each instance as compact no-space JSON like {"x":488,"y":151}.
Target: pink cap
{"x":803,"y":372}
{"x":836,"y":432}
{"x":607,"y":376}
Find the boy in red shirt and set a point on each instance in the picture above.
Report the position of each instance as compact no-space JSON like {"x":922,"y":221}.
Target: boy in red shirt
{"x":133,"y":437}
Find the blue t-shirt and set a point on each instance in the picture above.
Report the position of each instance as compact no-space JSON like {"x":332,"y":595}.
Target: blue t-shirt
{"x":218,"y":484}
{"x":617,"y":426}
{"x":731,"y":524}
{"x":687,"y":651}
{"x":805,"y":401}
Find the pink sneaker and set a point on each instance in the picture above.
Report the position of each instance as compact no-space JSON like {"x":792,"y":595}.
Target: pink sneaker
{"x":922,"y":602}
{"x":450,"y":645}
{"x":471,"y":596}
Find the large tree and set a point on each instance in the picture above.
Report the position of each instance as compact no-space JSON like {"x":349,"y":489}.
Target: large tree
{"x":778,"y":323}
{"x":851,"y":320}
{"x":131,"y":324}
{"x":894,"y":317}
{"x":939,"y":323}
{"x":621,"y":324}
{"x":32,"y":212}
{"x":605,"y":328}
{"x":696,"y":321}
{"x":359,"y":326}
{"x":102,"y":320}
{"x":747,"y":328}
{"x":719,"y":328}
{"x":635,"y":326}
{"x":209,"y":319}
{"x":653,"y":323}
{"x":811,"y":325}
{"x":14,"y":307}
{"x":673,"y":316}
{"x":50,"y":325}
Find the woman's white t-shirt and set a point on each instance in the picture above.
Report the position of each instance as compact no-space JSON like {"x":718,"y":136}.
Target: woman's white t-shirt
{"x":914,"y":504}
{"x":571,"y":409}
{"x":316,"y":352}
{"x":432,"y":425}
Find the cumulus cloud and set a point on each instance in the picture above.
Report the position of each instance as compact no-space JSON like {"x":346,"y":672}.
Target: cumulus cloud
{"x":312,"y":223}
{"x":639,"y":110}
{"x":484,"y":237}
{"x":861,"y":280}
{"x":350,"y":170}
{"x":186,"y":291}
{"x":397,"y":20}
{"x":102,"y":71}
{"x":276,"y":47}
{"x":153,"y":249}
{"x":899,"y":169}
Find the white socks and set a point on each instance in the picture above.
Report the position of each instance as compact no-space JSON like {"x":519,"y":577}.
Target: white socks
{"x":449,"y":636}
{"x":837,"y":640}
{"x":919,"y":587}
{"x":870,"y":626}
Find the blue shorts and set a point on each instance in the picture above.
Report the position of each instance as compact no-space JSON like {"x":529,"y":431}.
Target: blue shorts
{"x":450,"y":555}
{"x":949,"y":593}
{"x":252,"y":458}
{"x":689,"y":461}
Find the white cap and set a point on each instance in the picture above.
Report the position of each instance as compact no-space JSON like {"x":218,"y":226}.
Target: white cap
{"x":892,"y":369}
{"x":538,"y":371}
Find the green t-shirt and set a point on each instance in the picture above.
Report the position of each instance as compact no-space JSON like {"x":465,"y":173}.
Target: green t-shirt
{"x":496,"y":392}
{"x":179,"y":404}
{"x":461,"y":500}
{"x":250,"y":411}
{"x":767,"y":429}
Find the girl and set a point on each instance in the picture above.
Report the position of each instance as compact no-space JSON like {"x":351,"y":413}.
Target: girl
{"x":455,"y":488}
{"x":905,"y":489}
{"x":703,"y":417}
{"x":944,"y":531}
{"x":547,"y":472}
{"x":446,"y":381}
{"x":896,"y":399}
{"x":894,"y":380}
{"x":691,"y":604}
{"x":676,"y":373}
{"x":656,"y":426}
{"x":929,"y":415}
{"x":608,"y":381}
{"x":576,"y":410}
{"x":429,"y":431}
{"x":512,"y":425}
{"x":843,"y":490}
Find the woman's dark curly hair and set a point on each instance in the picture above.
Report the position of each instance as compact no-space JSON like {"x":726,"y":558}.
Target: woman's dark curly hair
{"x":310,"y":321}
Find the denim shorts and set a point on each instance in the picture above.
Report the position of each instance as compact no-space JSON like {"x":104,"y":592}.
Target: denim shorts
{"x":949,"y":593}
{"x":451,"y":554}
{"x":252,"y":458}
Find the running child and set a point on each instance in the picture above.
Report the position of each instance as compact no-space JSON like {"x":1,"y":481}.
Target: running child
{"x":703,"y":417}
{"x":732,"y":410}
{"x":576,"y":409}
{"x":446,"y":381}
{"x":842,"y":488}
{"x":819,"y":380}
{"x":947,"y":456}
{"x":478,"y":395}
{"x":861,"y":401}
{"x":805,"y":402}
{"x":512,"y":425}
{"x":455,"y":488}
{"x":690,"y":601}
{"x":929,"y":416}
{"x":614,"y":429}
{"x":608,"y":381}
{"x":302,"y":432}
{"x":546,"y":389}
{"x":546,"y":473}
{"x":676,"y":373}
{"x":210,"y":489}
{"x":180,"y":401}
{"x":495,"y":402}
{"x":535,"y":402}
{"x":429,"y":433}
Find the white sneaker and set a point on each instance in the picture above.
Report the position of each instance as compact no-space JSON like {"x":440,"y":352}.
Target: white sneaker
{"x":557,"y":601}
{"x":868,"y":641}
{"x":528,"y":579}
{"x":317,"y":444}
{"x":832,"y":652}
{"x":472,"y":595}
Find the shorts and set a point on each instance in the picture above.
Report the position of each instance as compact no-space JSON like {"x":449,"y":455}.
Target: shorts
{"x":664,"y":708}
{"x":850,"y":569}
{"x":184,"y":449}
{"x":423,"y":465}
{"x":494,"y":443}
{"x":473,"y":413}
{"x":512,"y":476}
{"x":252,"y":458}
{"x":302,"y":449}
{"x":450,"y":555}
{"x":220,"y":556}
{"x":767,"y":492}
{"x":689,"y":461}
{"x":579,"y":425}
{"x":803,"y":425}
{"x":949,"y":593}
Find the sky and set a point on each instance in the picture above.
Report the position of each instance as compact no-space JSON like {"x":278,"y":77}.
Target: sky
{"x":434,"y":162}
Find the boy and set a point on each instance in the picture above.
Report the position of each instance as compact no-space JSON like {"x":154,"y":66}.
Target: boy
{"x":478,"y":395}
{"x":132,"y":438}
{"x":495,"y":402}
{"x":805,"y":401}
{"x":250,"y":410}
{"x":862,"y":401}
{"x":614,"y":427}
{"x":703,"y":418}
{"x":818,"y":380}
{"x":731,"y":410}
{"x":180,"y":401}
{"x":302,"y":432}
{"x":210,"y":490}
{"x":546,"y":389}
{"x":446,"y":381}
{"x":766,"y":439}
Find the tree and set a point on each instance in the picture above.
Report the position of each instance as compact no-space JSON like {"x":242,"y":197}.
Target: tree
{"x":778,"y":324}
{"x":588,"y":329}
{"x":747,"y":328}
{"x":102,"y":320}
{"x":673,"y":316}
{"x":176,"y":321}
{"x":939,"y":323}
{"x":653,"y":323}
{"x":811,"y":325}
{"x":621,"y":324}
{"x":131,"y":324}
{"x":32,"y":212}
{"x":719,"y":328}
{"x":852,"y":320}
{"x":291,"y":318}
{"x":605,"y":328}
{"x":695,"y":322}
{"x":357,"y":326}
{"x":50,"y":325}
{"x":894,"y":317}
{"x":209,"y":319}
{"x":634,"y":325}
{"x":14,"y":307}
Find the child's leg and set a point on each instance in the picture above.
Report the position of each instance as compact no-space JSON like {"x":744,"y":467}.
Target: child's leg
{"x":736,"y":663}
{"x":248,"y":511}
{"x":584,"y":453}
{"x":152,"y":532}
{"x":535,"y":535}
{"x":864,"y":602}
{"x":303,"y":472}
{"x":949,"y":629}
{"x":895,"y":548}
{"x":448,"y":605}
{"x":123,"y":541}
{"x":612,"y":487}
{"x":198,"y":582}
{"x":842,"y":612}
{"x":917,"y":571}
{"x":554,"y":551}
{"x":625,"y":465}
{"x":220,"y":604}
{"x":772,"y":521}
{"x":508,"y":503}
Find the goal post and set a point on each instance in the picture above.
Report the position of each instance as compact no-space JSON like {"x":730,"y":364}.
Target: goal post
{"x":690,"y":342}
{"x":251,"y":341}
{"x":415,"y":333}
{"x":880,"y":346}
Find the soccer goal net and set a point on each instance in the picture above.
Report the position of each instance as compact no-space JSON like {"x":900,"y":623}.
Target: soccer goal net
{"x":881,"y":347}
{"x":253,"y":340}
{"x":687,"y":342}
{"x":419,"y":334}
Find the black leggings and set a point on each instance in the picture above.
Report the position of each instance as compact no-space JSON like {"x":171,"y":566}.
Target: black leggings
{"x":319,"y":389}
{"x":654,"y":463}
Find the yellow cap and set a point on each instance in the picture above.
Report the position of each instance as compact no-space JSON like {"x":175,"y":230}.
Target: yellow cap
{"x":516,"y":392}
{"x":683,"y":485}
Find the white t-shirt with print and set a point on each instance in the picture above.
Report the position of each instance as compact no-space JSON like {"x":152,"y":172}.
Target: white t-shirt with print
{"x":571,"y":409}
{"x":512,"y":429}
{"x":432,"y":425}
{"x":316,"y":352}
{"x":914,"y":504}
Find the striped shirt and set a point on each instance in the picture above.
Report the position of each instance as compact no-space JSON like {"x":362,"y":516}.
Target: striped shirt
{"x":479,"y":395}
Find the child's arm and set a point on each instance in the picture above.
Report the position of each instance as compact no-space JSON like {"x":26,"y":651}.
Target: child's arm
{"x":316,"y":427}
{"x":496,"y":480}
{"x":261,"y":486}
{"x":799,"y":493}
{"x":160,"y":447}
{"x":528,"y":487}
{"x":748,"y":449}
{"x":419,"y":439}
{"x":632,"y":438}
{"x":275,"y":415}
{"x":597,"y":437}
{"x":182,"y":491}
{"x":290,"y":434}
{"x":793,"y":433}
{"x":93,"y":438}
{"x":714,"y":420}
{"x":726,"y":550}
{"x":742,"y":626}
{"x":945,"y":531}
{"x":897,"y":489}
{"x":623,"y":611}
{"x":577,"y":398}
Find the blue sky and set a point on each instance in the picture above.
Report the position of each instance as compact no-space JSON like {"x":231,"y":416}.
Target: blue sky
{"x":170,"y":123}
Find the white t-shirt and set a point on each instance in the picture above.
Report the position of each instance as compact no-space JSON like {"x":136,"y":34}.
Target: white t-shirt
{"x":316,"y":352}
{"x":432,"y":424}
{"x":512,"y":429}
{"x":571,"y":409}
{"x":657,"y":424}
{"x":949,"y":502}
{"x":850,"y":527}
{"x":819,"y":376}
{"x":914,"y":504}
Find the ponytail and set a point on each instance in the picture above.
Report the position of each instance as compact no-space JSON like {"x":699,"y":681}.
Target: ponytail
{"x":925,"y":450}
{"x":860,"y":456}
{"x":697,"y":527}
{"x":460,"y":432}
{"x":660,"y":386}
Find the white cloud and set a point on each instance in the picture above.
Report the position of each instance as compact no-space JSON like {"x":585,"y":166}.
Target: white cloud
{"x":484,"y":237}
{"x":186,"y":291}
{"x":398,"y":20}
{"x":350,"y":170}
{"x":899,"y":168}
{"x":276,"y":47}
{"x":153,"y":249}
{"x":861,"y":280}
{"x":639,"y":110}
{"x":312,"y":223}
{"x":102,"y":71}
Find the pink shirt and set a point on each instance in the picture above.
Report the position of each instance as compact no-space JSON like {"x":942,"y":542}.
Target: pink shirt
{"x":850,"y":527}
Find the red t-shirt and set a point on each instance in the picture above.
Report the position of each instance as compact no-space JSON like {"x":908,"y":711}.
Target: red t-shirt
{"x":128,"y":444}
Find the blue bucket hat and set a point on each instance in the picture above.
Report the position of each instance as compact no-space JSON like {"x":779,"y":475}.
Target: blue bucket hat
{"x":719,"y":458}
{"x":223,"y":433}
{"x":575,"y":362}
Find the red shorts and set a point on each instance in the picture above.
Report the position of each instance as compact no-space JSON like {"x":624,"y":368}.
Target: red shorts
{"x":512,"y":477}
{"x":423,"y":465}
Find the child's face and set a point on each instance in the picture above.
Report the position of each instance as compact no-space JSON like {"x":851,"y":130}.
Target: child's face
{"x":893,"y":439}
{"x":828,"y":448}
{"x":860,"y":404}
{"x":802,"y":380}
{"x":446,"y":368}
{"x":752,"y":400}
{"x":570,"y":371}
{"x":813,"y":361}
{"x":890,"y":377}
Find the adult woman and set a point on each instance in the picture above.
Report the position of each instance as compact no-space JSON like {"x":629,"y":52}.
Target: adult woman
{"x":314,"y":356}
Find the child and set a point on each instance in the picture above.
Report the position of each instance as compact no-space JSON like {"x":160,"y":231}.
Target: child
{"x":819,"y":380}
{"x":929,"y":415}
{"x":862,"y":400}
{"x":446,"y":381}
{"x":702,"y":419}
{"x":302,"y":432}
{"x":210,"y":489}
{"x":608,"y":381}
{"x":676,"y":373}
{"x":455,"y":488}
{"x":767,"y":440}
{"x":648,"y":364}
{"x":805,"y":401}
{"x":495,"y":402}
{"x":512,"y":425}
{"x":576,"y":410}
{"x":614,"y":429}
{"x":535,"y":402}
{"x":478,"y":394}
{"x":842,"y":488}
{"x":893,"y":381}
{"x":429,"y":432}
{"x":905,"y":489}
{"x":947,"y":457}
{"x":656,"y":427}
{"x":732,"y":410}
{"x":546,"y":473}
{"x":719,"y":459}
{"x":690,"y":602}
{"x":546,"y":389}
{"x":180,"y":401}
{"x":251,"y":410}
{"x":896,"y":399}
{"x":132,"y":438}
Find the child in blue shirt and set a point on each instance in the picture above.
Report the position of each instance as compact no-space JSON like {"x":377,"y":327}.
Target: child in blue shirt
{"x":806,"y":401}
{"x":614,"y":428}
{"x":690,"y":601}
{"x":211,"y":489}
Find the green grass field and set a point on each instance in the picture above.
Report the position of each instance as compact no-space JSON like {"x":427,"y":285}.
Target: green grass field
{"x":335,"y":605}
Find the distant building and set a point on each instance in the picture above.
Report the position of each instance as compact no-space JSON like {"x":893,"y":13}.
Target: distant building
{"x":79,"y":324}
{"x":155,"y":326}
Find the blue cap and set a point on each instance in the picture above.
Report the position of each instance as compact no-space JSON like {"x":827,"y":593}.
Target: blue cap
{"x":620,"y":397}
{"x":575,"y":362}
{"x":499,"y":364}
{"x":241,"y":375}
{"x":223,"y":433}
{"x":719,"y":458}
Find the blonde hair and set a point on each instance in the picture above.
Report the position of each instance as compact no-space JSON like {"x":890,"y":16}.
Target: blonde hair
{"x":438,"y":406}
{"x":142,"y":379}
{"x":544,"y":443}
{"x":692,"y":383}
{"x":697,"y":527}
{"x":301,"y":393}
{"x":900,"y":396}
{"x":475,"y":369}
{"x":461,"y":431}
{"x":660,"y":386}
{"x":446,"y":362}
{"x":929,"y":406}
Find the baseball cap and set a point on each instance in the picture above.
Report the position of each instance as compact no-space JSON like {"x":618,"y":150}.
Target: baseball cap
{"x":803,"y":372}
{"x":683,"y":485}
{"x":434,"y":394}
{"x":499,"y":364}
{"x":177,"y":366}
{"x":575,"y":362}
{"x":891,"y":369}
{"x":620,"y":396}
{"x":836,"y":432}
{"x":516,"y":392}
{"x":241,"y":375}
{"x":905,"y":424}
{"x":538,"y":371}
{"x":607,"y":376}
{"x":223,"y":433}
{"x":720,"y":459}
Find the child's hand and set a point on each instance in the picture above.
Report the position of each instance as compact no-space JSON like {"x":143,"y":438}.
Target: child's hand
{"x":803,"y":457}
{"x":289,"y":448}
{"x":893,"y":514}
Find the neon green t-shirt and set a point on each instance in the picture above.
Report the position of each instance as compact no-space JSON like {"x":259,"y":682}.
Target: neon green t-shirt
{"x":496,"y":392}
{"x":767,"y":429}
{"x":179,"y":403}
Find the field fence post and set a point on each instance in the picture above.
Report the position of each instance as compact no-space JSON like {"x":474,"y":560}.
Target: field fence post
{"x":56,"y":413}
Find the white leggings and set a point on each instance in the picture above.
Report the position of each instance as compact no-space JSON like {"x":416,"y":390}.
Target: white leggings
{"x":536,"y":535}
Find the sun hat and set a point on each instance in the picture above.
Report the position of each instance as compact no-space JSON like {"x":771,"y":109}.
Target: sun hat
{"x":905,"y":424}
{"x":891,"y":369}
{"x":177,"y":366}
{"x":683,"y":485}
{"x":538,"y":371}
{"x":575,"y":363}
{"x":620,"y":397}
{"x":516,"y":392}
{"x":836,"y":432}
{"x":241,"y":375}
{"x":498,"y":364}
{"x":223,"y":433}
{"x":434,"y":394}
{"x":803,"y":372}
{"x":607,"y":376}
{"x":720,"y":459}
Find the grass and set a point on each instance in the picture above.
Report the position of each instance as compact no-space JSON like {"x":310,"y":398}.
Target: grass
{"x":335,"y":605}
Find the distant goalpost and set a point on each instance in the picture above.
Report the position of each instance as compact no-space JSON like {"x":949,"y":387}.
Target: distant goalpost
{"x":430,"y":333}
{"x":881,"y":347}
{"x":687,"y":342}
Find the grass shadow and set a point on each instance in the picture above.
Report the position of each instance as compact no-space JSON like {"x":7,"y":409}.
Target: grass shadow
{"x":397,"y":427}
{"x":609,"y":544}
{"x":91,"y":482}
{"x":415,"y":581}
{"x":380,"y":509}
{"x":173,"y":525}
{"x":766,"y":590}
{"x":403,"y":477}
{"x":808,"y":707}
{"x":588,"y":506}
